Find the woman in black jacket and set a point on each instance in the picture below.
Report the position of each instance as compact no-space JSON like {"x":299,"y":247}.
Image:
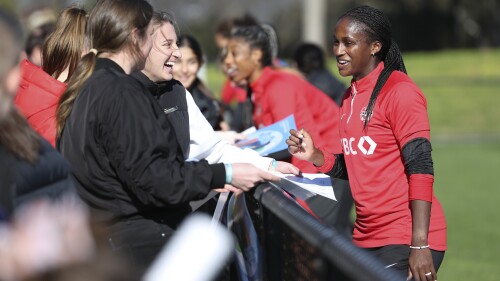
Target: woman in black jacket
{"x":128,"y":164}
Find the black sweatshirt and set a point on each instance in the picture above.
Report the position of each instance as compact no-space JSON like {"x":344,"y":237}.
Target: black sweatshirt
{"x":125,"y":156}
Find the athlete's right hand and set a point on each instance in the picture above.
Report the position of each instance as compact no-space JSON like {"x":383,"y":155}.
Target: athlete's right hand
{"x":301,"y":146}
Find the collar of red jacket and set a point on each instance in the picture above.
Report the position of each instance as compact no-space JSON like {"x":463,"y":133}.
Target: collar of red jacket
{"x":258,"y":85}
{"x":369,"y":81}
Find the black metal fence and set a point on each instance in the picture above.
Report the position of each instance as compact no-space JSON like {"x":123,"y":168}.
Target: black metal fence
{"x":296,"y":246}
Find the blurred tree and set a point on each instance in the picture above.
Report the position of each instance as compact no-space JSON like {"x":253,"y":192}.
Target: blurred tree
{"x":417,"y":24}
{"x":8,"y":5}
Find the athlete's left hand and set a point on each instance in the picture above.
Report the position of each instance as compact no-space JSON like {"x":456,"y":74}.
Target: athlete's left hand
{"x":421,"y":267}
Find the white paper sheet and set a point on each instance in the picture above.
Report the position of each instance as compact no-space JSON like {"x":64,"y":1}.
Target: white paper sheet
{"x":320,"y":184}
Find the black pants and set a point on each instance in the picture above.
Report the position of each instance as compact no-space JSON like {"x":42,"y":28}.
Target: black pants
{"x":139,"y":240}
{"x":396,"y":257}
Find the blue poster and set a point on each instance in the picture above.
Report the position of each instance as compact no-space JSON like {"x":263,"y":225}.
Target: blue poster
{"x":269,"y":139}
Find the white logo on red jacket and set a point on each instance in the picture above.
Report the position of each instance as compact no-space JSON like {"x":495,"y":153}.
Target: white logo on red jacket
{"x":365,"y":145}
{"x":362,"y":114}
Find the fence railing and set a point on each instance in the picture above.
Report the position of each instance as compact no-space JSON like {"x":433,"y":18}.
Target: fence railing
{"x":296,"y":246}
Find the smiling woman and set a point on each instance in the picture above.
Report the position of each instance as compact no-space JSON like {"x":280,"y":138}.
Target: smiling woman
{"x":278,"y":94}
{"x":194,"y":134}
{"x":186,"y":71}
{"x":386,"y":155}
{"x":165,"y":53}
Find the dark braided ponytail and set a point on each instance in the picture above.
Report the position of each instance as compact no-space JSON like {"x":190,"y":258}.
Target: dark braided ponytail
{"x":378,"y":28}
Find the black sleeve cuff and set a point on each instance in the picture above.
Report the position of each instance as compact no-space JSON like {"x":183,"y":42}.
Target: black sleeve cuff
{"x":218,"y":176}
{"x":339,"y":169}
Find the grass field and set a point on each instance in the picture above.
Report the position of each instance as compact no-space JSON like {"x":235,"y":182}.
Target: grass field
{"x":462,"y":90}
{"x":466,"y":184}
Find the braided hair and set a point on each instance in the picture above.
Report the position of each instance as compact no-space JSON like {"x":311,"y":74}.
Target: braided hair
{"x":258,"y":39}
{"x":378,"y":28}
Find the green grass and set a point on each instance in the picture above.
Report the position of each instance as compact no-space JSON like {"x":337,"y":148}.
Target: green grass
{"x":467,"y":186}
{"x":461,"y":88}
{"x":463,"y":92}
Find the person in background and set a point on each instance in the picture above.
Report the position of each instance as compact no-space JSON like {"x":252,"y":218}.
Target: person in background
{"x":41,"y":88}
{"x":39,"y":242}
{"x":128,"y":163}
{"x":233,"y":96}
{"x":34,"y":42}
{"x":45,"y":233}
{"x":31,"y":168}
{"x":309,"y":58}
{"x":66,"y":44}
{"x":223,"y":29}
{"x":277,"y":94}
{"x":186,"y":70}
{"x":385,"y":134}
{"x":278,"y":63}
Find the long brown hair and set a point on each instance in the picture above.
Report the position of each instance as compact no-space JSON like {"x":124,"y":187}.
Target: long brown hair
{"x":63,"y":48}
{"x":16,"y":136}
{"x":108,"y":29}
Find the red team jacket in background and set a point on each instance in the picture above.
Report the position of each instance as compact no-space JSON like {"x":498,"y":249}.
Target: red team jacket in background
{"x":37,"y":99}
{"x":231,"y":92}
{"x":277,"y":94}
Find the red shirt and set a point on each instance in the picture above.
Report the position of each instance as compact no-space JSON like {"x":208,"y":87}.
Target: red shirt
{"x":277,"y":94}
{"x":231,"y":92}
{"x":37,"y":99}
{"x":374,"y":161}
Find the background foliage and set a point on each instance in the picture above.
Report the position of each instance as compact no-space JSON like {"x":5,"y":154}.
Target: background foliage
{"x":417,"y":24}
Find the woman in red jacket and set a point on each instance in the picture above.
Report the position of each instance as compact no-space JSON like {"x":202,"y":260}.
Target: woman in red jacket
{"x":277,"y":94}
{"x":385,"y":135}
{"x":40,"y":88}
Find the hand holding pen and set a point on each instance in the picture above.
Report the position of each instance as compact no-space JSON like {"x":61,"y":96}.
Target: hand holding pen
{"x":301,"y":145}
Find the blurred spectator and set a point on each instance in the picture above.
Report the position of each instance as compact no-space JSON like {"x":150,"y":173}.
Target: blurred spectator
{"x":39,"y":90}
{"x":310,"y":60}
{"x":44,"y":237}
{"x":186,"y":71}
{"x":223,"y":30}
{"x":31,"y":168}
{"x":278,"y":63}
{"x":39,"y":16}
{"x":65,"y":45}
{"x":35,"y":41}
